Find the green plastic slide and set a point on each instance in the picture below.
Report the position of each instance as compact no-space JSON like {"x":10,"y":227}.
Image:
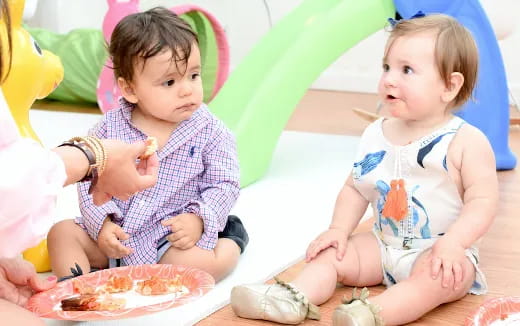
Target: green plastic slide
{"x":261,"y":94}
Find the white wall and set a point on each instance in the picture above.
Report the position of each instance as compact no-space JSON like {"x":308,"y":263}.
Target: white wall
{"x":245,"y":21}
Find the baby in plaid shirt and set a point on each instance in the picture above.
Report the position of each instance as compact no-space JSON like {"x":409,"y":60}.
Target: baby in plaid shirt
{"x":184,"y":218}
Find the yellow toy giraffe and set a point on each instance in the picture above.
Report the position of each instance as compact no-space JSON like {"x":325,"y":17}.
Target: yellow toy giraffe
{"x":33,"y":75}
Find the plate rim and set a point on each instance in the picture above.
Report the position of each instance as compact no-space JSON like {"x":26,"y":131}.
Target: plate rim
{"x":207,"y":284}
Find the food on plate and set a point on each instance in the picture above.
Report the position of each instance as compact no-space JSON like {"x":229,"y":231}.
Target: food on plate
{"x":80,"y":287}
{"x":92,"y":302}
{"x":89,"y":298}
{"x":117,"y":284}
{"x":158,"y":286}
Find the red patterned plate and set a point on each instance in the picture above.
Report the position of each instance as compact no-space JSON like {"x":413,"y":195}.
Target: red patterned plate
{"x":498,"y":311}
{"x":197,"y":282}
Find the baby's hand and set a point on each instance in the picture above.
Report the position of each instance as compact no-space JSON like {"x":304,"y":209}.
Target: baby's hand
{"x":109,"y":240}
{"x":186,"y":230}
{"x":334,"y":237}
{"x":448,"y":254}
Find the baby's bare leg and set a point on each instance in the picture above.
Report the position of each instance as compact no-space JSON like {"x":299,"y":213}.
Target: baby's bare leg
{"x":219,"y":262}
{"x":412,"y":298}
{"x":69,"y":244}
{"x":361,"y":266}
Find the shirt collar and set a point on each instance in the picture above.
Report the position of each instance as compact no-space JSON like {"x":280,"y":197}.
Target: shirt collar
{"x":126,"y":109}
{"x":184,"y":131}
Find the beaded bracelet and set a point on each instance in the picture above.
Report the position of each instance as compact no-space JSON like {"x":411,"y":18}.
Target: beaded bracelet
{"x":88,"y":153}
{"x":96,"y":154}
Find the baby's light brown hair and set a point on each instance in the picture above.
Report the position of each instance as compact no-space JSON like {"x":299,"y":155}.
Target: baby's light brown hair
{"x":455,"y":49}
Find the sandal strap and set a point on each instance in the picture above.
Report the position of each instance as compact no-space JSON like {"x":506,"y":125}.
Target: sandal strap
{"x":363,"y":297}
{"x":313,"y":311}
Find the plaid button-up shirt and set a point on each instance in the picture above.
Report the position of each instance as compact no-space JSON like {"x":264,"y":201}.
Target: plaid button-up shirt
{"x":199,"y":173}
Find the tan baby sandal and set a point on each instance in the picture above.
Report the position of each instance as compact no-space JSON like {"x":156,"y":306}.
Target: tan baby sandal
{"x":280,"y":302}
{"x":357,"y":311}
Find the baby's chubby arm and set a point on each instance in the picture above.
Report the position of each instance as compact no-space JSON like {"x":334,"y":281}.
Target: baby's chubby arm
{"x":480,"y":187}
{"x":348,"y":210}
{"x":480,"y":196}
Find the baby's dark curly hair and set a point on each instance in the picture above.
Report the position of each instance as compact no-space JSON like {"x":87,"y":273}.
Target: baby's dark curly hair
{"x":143,"y":35}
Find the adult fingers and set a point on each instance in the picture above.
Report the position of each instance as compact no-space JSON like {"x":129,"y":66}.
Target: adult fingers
{"x":148,"y":177}
{"x":150,"y":162}
{"x":25,"y":292}
{"x":17,"y":271}
{"x":38,"y":284}
{"x":9,"y":291}
{"x":137,"y":148}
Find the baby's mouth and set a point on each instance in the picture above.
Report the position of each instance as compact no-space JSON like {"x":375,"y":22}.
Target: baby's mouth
{"x":185,"y":107}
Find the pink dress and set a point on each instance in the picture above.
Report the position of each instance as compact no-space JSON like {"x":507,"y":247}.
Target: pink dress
{"x":30,"y":179}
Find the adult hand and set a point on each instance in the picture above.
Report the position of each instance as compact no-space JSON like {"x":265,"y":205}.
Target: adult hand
{"x":122,"y":178}
{"x":109,"y":240}
{"x":19,"y":281}
{"x":333,"y":237}
{"x":186,"y":230}
{"x":448,"y":255}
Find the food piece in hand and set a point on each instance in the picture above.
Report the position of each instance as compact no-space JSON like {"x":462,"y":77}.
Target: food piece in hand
{"x":117,"y":284}
{"x":151,"y":147}
{"x":158,"y":286}
{"x":92,"y":302}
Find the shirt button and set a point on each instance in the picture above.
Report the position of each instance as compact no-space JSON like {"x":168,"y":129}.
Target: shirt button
{"x":142,"y":203}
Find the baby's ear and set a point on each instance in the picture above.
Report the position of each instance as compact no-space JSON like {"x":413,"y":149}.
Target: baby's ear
{"x":453,"y":87}
{"x":127,"y":90}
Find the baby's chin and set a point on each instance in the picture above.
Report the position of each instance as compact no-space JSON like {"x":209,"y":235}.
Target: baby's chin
{"x":395,"y":112}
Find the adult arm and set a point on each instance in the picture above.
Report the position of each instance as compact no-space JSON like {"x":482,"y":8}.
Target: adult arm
{"x":121,"y":177}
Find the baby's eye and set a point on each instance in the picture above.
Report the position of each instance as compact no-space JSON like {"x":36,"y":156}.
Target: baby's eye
{"x":407,"y":70}
{"x":169,"y":83}
{"x":195,"y":76}
{"x":386,"y":67}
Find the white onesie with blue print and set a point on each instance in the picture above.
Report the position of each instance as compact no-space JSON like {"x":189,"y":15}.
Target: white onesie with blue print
{"x":434,"y":202}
